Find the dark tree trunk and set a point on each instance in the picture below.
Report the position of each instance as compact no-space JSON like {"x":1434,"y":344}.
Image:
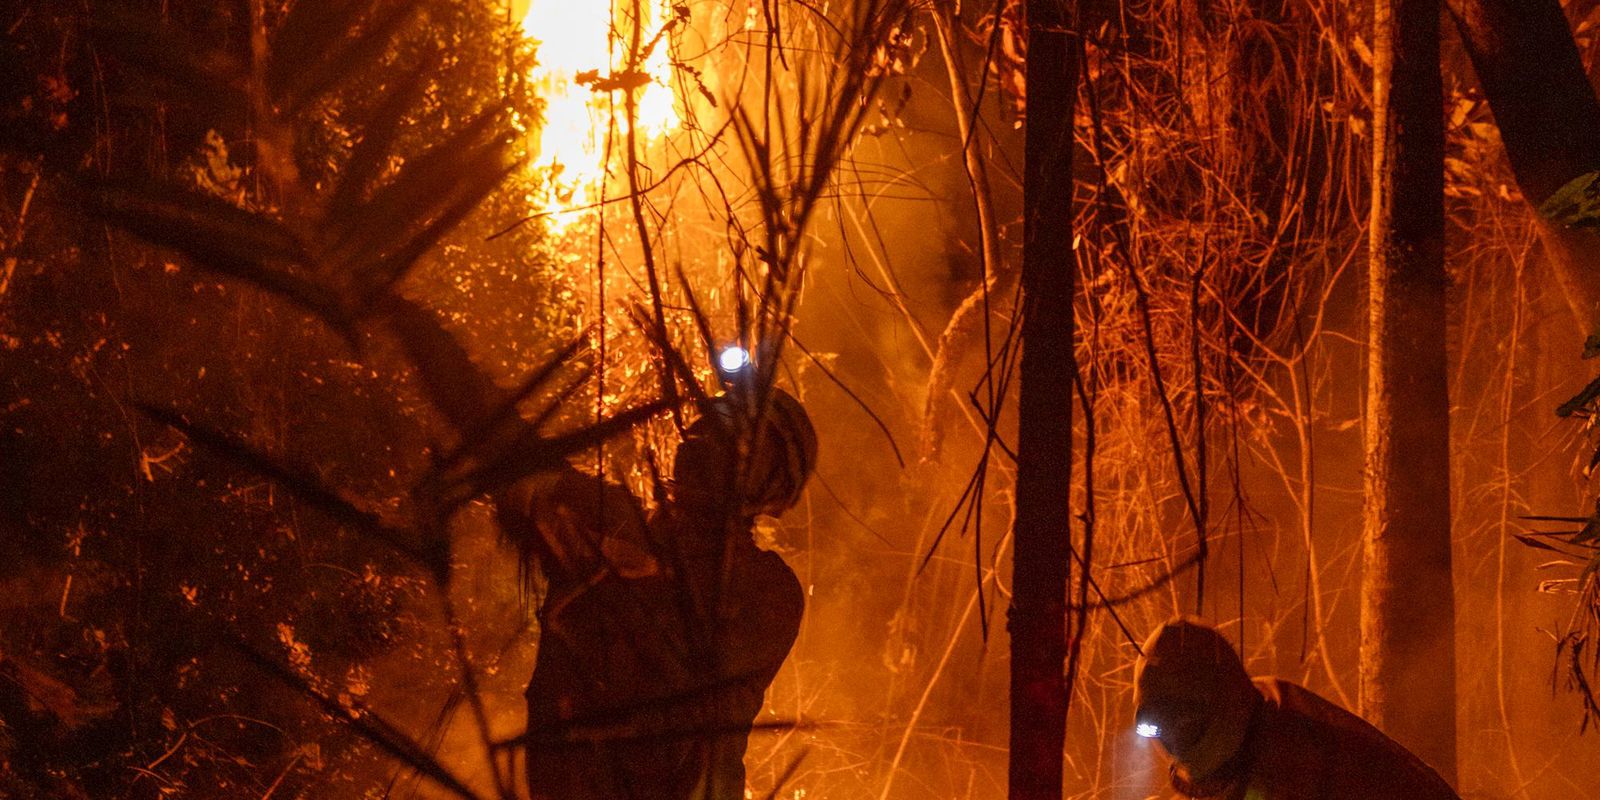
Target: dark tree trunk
{"x":1407,"y":604}
{"x":1042,"y":565}
{"x":1548,"y":116}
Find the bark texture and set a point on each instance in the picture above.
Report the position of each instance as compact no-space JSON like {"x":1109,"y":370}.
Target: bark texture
{"x":1407,"y":604}
{"x":1042,"y":565}
{"x":1549,"y":120}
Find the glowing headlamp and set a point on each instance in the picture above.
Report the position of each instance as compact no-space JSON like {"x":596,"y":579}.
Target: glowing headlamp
{"x":1148,"y":730}
{"x":732,"y":360}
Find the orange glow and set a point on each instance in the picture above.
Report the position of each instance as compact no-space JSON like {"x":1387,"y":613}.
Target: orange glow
{"x":579,"y":41}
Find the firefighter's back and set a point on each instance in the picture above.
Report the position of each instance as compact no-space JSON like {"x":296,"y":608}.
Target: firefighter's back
{"x":1307,"y":748}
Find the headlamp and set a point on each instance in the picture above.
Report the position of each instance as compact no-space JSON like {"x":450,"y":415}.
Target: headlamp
{"x":1148,"y":730}
{"x":732,"y":360}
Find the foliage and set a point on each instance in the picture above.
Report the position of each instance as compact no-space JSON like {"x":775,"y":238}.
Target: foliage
{"x":348,"y":160}
{"x":1577,"y":205}
{"x":365,"y":134}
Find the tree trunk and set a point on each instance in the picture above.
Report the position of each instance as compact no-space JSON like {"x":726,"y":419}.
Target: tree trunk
{"x":1042,"y":565}
{"x":966,"y":325}
{"x":1549,"y":119}
{"x":1407,"y":604}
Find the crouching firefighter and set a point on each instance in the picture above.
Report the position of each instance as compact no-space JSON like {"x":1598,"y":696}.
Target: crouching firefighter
{"x":1265,"y":739}
{"x":659,"y":637}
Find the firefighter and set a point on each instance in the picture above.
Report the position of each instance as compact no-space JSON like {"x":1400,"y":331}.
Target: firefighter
{"x":1265,"y":739}
{"x":745,"y":457}
{"x":657,"y":647}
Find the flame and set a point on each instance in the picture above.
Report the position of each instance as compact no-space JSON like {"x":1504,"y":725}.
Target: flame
{"x":575,"y":37}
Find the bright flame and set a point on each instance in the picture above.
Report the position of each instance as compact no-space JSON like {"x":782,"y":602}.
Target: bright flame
{"x":576,"y":37}
{"x":1148,"y":730}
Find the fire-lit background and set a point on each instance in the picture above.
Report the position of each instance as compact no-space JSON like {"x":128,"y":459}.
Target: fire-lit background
{"x":843,"y":177}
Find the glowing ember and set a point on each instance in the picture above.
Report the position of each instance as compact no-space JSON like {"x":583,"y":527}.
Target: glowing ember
{"x":1148,"y":730}
{"x":579,"y":50}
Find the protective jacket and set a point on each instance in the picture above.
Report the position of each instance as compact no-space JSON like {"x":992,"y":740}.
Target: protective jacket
{"x":651,"y":670}
{"x":1235,"y":738}
{"x":1302,"y":747}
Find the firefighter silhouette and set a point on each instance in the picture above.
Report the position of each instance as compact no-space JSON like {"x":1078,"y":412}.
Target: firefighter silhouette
{"x":1264,"y":739}
{"x":659,"y":636}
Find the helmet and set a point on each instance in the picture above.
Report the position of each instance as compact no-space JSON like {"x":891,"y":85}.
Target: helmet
{"x":779,"y":452}
{"x":1193,"y":696}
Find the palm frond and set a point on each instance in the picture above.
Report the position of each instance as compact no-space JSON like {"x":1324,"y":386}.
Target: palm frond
{"x":533,"y":453}
{"x":219,"y":237}
{"x":424,"y":188}
{"x":487,"y":434}
{"x":1576,"y":204}
{"x":371,"y":154}
{"x":297,"y":480}
{"x":477,"y":182}
{"x":322,"y":49}
{"x":455,"y":385}
{"x":372,"y":727}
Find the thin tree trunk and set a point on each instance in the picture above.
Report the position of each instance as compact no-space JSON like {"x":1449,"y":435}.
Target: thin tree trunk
{"x":966,"y":325}
{"x":1549,"y":119}
{"x":1407,"y":603}
{"x":1042,"y":565}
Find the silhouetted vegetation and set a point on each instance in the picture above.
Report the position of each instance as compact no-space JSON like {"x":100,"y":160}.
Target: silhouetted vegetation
{"x":290,"y":296}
